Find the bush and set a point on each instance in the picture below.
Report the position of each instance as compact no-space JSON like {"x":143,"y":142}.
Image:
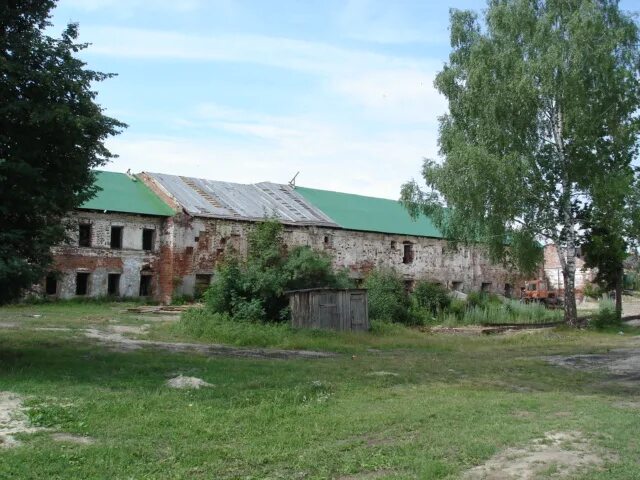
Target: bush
{"x":606,"y":315}
{"x":254,"y":289}
{"x":432,"y":297}
{"x":593,"y":290}
{"x":388,"y":300}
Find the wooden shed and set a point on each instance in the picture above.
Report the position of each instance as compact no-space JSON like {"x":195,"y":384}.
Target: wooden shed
{"x":329,"y":309}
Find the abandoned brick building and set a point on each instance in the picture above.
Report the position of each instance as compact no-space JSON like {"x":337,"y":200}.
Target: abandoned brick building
{"x":162,"y":235}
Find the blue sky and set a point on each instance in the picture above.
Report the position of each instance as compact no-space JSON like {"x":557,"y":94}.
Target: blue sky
{"x":247,"y":91}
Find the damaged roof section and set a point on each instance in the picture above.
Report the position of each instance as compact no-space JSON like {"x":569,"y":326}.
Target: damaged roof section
{"x":119,"y":192}
{"x":208,"y":198}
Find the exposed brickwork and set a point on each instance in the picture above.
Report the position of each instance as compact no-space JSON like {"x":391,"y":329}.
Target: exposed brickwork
{"x":359,"y":252}
{"x":187,"y":246}
{"x":553,"y":270}
{"x":100,"y":260}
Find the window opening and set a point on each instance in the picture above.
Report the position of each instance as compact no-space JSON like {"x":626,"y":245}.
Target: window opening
{"x":113,"y":284}
{"x":147,"y":238}
{"x":84,"y":235}
{"x":82,"y":283}
{"x":116,"y":237}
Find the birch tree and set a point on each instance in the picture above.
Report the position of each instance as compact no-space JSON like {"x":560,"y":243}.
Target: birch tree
{"x":543,"y":105}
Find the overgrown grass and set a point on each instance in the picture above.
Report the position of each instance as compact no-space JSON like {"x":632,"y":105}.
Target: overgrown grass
{"x":509,"y":312}
{"x":443,"y":405}
{"x":202,"y":325}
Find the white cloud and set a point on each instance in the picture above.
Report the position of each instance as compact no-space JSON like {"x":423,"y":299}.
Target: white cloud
{"x":395,"y":95}
{"x":327,"y":156}
{"x":311,"y":57}
{"x":400,"y":88}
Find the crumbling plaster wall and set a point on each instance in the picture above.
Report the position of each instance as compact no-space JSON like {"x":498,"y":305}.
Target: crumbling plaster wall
{"x":99,"y":259}
{"x":200,"y":243}
{"x":553,"y":270}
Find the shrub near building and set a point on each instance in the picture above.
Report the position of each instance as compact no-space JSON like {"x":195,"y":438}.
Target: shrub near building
{"x":254,"y":289}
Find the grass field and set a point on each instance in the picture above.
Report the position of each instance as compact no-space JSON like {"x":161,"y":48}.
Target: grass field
{"x":399,"y":403}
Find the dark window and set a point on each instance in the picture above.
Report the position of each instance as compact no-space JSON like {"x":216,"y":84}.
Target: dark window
{"x":145,"y":285}
{"x":486,"y":287}
{"x":393,"y":244}
{"x":51,"y":284}
{"x":202,"y":283}
{"x":147,"y":238}
{"x":116,"y":237}
{"x":188,"y":250}
{"x":84,"y":235}
{"x":113,"y":284}
{"x":82,"y":283}
{"x":457,"y":286}
{"x":508,"y":290}
{"x":408,"y":285}
{"x":407,"y":252}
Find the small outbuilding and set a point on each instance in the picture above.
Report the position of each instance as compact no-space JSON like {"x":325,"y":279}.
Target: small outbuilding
{"x":329,"y":309}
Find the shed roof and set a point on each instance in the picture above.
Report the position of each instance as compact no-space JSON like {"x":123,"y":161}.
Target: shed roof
{"x":372,"y":214}
{"x":120,"y":192}
{"x":209,"y":198}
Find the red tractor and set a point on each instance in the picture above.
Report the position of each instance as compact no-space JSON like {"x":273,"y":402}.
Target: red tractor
{"x":537,"y":291}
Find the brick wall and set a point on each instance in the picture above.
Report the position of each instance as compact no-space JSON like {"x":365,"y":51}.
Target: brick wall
{"x":99,"y":259}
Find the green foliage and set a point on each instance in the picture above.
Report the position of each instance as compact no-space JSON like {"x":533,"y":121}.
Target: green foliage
{"x":181,"y":299}
{"x":594,"y":291}
{"x":430,"y":296}
{"x":544,"y":100}
{"x":50,"y":415}
{"x":491,"y":312}
{"x":388,"y":300}
{"x":254,"y":290}
{"x":606,"y":315}
{"x":52,"y":135}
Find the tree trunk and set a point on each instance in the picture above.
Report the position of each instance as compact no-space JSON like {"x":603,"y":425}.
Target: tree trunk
{"x":619,"y":282}
{"x":570,"y":308}
{"x":567,"y":262}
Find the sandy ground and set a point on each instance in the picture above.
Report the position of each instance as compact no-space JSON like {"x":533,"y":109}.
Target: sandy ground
{"x":123,"y":344}
{"x":182,"y":382}
{"x":13,"y":420}
{"x":557,"y":455}
{"x":69,"y":438}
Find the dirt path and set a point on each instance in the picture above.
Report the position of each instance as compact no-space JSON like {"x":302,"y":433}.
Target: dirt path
{"x":622,"y":363}
{"x":558,"y":454}
{"x":123,"y":344}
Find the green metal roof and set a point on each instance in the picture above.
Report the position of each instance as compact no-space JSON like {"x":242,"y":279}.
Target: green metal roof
{"x":371,"y":214}
{"x":121,"y":193}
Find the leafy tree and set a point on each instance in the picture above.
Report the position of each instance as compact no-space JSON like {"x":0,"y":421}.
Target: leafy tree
{"x":254,"y":289}
{"x":543,"y":108}
{"x":51,"y":135}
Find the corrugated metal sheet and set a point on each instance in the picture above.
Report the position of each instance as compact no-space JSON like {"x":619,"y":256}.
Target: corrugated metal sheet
{"x":208,"y":198}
